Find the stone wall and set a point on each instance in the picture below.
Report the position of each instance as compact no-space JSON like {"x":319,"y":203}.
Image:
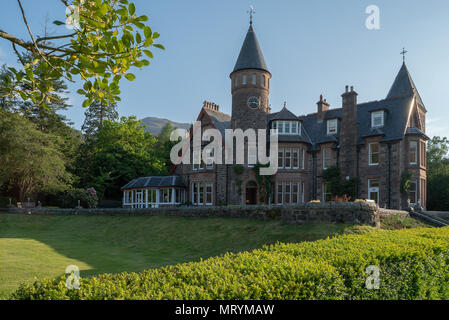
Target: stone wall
{"x":350,"y":213}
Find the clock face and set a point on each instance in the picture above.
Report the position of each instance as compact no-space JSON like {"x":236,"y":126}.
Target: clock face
{"x":254,"y":102}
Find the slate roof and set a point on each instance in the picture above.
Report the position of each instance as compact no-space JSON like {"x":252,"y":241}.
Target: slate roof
{"x":251,"y":56}
{"x":396,"y":116}
{"x":221,"y":121}
{"x":284,"y":114}
{"x":403,"y":85}
{"x":155,"y":182}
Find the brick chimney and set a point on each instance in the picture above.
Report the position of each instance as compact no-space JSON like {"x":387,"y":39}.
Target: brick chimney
{"x":349,"y":134}
{"x":211,"y":106}
{"x":323,"y":106}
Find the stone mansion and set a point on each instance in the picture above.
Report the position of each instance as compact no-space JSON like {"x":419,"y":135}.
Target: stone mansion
{"x":375,"y":142}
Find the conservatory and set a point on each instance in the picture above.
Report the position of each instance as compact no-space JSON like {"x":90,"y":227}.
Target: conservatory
{"x":154,"y":192}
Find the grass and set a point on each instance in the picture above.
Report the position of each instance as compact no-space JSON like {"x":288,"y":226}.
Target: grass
{"x":36,"y":247}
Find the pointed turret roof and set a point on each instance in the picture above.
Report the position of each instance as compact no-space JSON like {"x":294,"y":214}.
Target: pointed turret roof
{"x":251,"y":56}
{"x":404,"y":85}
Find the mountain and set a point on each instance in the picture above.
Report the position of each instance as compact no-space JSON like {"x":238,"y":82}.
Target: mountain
{"x":154,"y":125}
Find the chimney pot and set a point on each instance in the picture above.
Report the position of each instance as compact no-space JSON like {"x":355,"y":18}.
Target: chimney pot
{"x":347,"y":89}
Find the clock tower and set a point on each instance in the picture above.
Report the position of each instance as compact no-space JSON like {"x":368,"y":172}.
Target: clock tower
{"x":250,"y":86}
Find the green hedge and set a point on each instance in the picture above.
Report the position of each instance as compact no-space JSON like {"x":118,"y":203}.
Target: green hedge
{"x":414,"y":264}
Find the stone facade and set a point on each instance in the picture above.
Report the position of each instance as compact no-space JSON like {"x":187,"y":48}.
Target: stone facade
{"x":375,"y":143}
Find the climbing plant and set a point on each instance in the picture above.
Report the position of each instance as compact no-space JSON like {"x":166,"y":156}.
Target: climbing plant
{"x":406,"y":178}
{"x":263,"y":182}
{"x":339,"y":187}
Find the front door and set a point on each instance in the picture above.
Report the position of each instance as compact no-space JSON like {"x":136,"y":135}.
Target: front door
{"x":373,"y":190}
{"x":251,"y":193}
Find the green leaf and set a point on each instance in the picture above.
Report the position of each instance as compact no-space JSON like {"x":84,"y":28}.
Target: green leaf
{"x":148,"y":32}
{"x":132,"y":9}
{"x":160,"y":46}
{"x":130,"y":76}
{"x":148,"y":53}
{"x":58,"y":23}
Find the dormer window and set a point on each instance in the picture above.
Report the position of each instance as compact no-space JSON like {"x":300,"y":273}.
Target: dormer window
{"x":377,"y":119}
{"x":287,"y":127}
{"x":332,"y":126}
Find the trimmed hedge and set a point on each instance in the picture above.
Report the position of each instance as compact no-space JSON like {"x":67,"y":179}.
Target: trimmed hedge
{"x":414,"y":264}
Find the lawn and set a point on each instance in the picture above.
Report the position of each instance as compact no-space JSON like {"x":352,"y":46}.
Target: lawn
{"x":36,"y":247}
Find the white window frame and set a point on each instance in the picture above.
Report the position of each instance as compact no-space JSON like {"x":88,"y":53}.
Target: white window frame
{"x":287,"y":158}
{"x":374,"y":116}
{"x":374,"y":189}
{"x":415,"y":182}
{"x":325,"y":157}
{"x":332,"y":126}
{"x":324,"y":189}
{"x":303,"y":160}
{"x":413,"y":145}
{"x":294,"y":127}
{"x":210,"y":158}
{"x":295,"y":152}
{"x":287,"y":194}
{"x":280,"y":192}
{"x":211,"y":193}
{"x":370,"y":154}
{"x":282,"y":158}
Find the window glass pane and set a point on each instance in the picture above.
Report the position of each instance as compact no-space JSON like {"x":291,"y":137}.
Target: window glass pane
{"x":288,"y":154}
{"x":201,"y":194}
{"x":280,"y":198}
{"x":287,"y":127}
{"x":296,"y":158}
{"x":295,"y":192}
{"x":294,"y":127}
{"x":374,"y":183}
{"x":287,"y":193}
{"x":281,"y":158}
{"x":254,"y":80}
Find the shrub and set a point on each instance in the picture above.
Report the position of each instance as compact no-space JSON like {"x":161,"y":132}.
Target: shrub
{"x":69,"y":199}
{"x":413,"y":265}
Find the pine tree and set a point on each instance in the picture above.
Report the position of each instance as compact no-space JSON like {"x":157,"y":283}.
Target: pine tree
{"x":96,"y":114}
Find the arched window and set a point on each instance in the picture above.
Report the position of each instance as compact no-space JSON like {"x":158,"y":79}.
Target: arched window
{"x":254,"y":79}
{"x":264,"y":80}
{"x":244,"y":79}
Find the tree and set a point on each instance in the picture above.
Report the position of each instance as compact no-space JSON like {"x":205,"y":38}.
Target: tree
{"x":31,"y":161}
{"x":95,"y":116}
{"x":438,"y":174}
{"x":107,"y":40}
{"x":120,"y":152}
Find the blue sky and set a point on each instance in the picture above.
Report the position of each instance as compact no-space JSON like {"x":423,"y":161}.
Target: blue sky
{"x":311,"y":48}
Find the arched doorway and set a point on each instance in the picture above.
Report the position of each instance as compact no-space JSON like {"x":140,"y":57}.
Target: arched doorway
{"x":251,"y":193}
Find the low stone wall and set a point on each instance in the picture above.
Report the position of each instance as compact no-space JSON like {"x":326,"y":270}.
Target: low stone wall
{"x":334,"y":212}
{"x":387,"y":212}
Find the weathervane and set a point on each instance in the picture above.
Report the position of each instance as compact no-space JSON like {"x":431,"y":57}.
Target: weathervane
{"x":403,"y":54}
{"x":251,"y":12}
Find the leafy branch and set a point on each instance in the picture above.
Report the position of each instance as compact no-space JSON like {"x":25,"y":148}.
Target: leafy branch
{"x":108,"y":39}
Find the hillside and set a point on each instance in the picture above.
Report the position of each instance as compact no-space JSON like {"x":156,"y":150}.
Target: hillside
{"x":154,"y":125}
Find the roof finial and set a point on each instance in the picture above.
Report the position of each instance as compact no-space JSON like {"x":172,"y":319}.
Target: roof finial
{"x":251,"y":12}
{"x":285,"y":104}
{"x":403,"y":54}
